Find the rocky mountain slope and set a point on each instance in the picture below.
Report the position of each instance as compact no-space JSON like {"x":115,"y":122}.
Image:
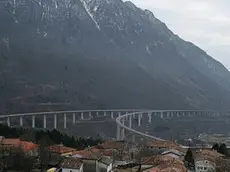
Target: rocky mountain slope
{"x":62,"y":54}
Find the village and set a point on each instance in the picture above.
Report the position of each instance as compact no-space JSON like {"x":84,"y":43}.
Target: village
{"x":110,"y":156}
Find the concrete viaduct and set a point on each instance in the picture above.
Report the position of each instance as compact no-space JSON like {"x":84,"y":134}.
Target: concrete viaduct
{"x":124,"y":118}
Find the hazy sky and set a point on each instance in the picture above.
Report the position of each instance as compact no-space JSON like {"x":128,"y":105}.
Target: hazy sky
{"x":203,"y":22}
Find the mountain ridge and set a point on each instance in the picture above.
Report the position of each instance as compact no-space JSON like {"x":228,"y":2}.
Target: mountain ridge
{"x":67,"y":36}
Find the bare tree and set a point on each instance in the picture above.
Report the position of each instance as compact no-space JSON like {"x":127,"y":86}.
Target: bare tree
{"x":44,"y":153}
{"x":3,"y":162}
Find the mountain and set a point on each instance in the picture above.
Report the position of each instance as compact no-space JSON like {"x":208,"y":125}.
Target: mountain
{"x":86,"y":54}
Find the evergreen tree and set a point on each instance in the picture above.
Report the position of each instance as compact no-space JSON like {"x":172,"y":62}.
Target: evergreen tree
{"x":189,"y":157}
{"x":215,"y":146}
{"x":223,"y":150}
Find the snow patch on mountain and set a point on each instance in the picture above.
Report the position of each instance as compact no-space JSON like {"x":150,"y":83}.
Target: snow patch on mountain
{"x":90,"y":14}
{"x":148,"y":50}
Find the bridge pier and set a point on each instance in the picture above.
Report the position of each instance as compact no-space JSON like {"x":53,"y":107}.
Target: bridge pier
{"x":118,"y":132}
{"x":119,"y":114}
{"x":44,"y":121}
{"x":90,"y":114}
{"x":123,"y":130}
{"x":33,"y":121}
{"x":64,"y":120}
{"x":162,"y":115}
{"x":55,"y":121}
{"x":150,"y":117}
{"x":178,"y":114}
{"x":82,"y":116}
{"x":21,"y":121}
{"x":126,"y":117}
{"x":8,"y":121}
{"x":74,"y":118}
{"x":168,"y":114}
{"x":112,"y":117}
{"x":130,"y":121}
{"x":139,"y":120}
{"x":134,"y":140}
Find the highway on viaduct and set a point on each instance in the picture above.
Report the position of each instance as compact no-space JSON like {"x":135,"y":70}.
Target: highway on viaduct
{"x":123,"y":117}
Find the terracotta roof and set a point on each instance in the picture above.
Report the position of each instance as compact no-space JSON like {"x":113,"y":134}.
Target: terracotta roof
{"x":27,"y":146}
{"x":210,"y":155}
{"x":88,"y":154}
{"x":24,"y":145}
{"x":108,"y":153}
{"x":162,"y":144}
{"x":11,"y":142}
{"x":164,"y":163}
{"x":71,"y":163}
{"x":112,"y":145}
{"x":159,"y":159}
{"x":60,"y":149}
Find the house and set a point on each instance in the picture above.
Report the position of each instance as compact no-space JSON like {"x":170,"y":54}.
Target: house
{"x":174,"y":153}
{"x":104,"y":164}
{"x":205,"y":160}
{"x":204,"y":165}
{"x":118,"y":145}
{"x":71,"y":165}
{"x":88,"y":154}
{"x":158,"y":145}
{"x":61,"y":150}
{"x":90,"y":157}
{"x":120,"y":150}
{"x":9,"y":143}
{"x":27,"y":147}
{"x":164,"y":163}
{"x":127,"y":167}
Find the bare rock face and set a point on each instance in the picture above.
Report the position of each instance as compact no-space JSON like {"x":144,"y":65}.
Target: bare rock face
{"x":101,"y":54}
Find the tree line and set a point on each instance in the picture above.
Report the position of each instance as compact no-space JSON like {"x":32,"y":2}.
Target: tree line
{"x":54,"y":136}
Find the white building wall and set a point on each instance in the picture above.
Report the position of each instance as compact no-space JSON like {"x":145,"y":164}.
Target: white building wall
{"x":103,"y":167}
{"x":204,"y":166}
{"x":70,"y":170}
{"x":73,"y":170}
{"x":109,"y":168}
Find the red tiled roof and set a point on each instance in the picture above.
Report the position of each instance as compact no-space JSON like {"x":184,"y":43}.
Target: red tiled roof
{"x":88,"y":154}
{"x":164,"y":163}
{"x":24,"y":145}
{"x":153,"y":170}
{"x":60,"y":149}
{"x":112,"y":145}
{"x":162,"y":144}
{"x":27,"y":146}
{"x":11,"y":142}
{"x":71,"y":163}
{"x":210,"y":155}
{"x":107,"y":153}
